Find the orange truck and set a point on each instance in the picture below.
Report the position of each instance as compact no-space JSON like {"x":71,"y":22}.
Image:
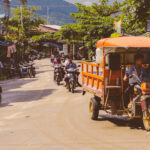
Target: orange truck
{"x":105,"y":78}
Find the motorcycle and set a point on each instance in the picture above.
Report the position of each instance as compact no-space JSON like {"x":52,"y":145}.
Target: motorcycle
{"x":58,"y":73}
{"x":27,"y":69}
{"x":71,"y":79}
{"x":141,"y":100}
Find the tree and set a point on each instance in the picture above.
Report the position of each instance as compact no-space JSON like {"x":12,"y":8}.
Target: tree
{"x":91,"y":23}
{"x":7,"y":4}
{"x":21,"y":32}
{"x":136,"y":14}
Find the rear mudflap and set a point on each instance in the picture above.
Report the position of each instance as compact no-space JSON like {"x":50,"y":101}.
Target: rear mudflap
{"x":145,"y":103}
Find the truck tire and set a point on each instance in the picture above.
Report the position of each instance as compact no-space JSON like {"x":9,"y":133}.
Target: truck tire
{"x":94,"y":107}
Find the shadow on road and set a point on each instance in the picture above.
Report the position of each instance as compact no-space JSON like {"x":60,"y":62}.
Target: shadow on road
{"x":123,"y":122}
{"x":26,"y":96}
{"x":39,"y":72}
{"x":78,"y":91}
{"x":15,"y":83}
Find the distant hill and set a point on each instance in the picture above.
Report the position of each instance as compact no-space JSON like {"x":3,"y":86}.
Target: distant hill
{"x":88,"y":2}
{"x":58,"y":10}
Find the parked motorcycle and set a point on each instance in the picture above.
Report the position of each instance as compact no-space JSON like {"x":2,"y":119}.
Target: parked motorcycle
{"x":27,"y":69}
{"x":58,"y":73}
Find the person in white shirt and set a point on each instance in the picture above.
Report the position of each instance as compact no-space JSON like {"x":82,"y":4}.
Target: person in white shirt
{"x":66,"y":61}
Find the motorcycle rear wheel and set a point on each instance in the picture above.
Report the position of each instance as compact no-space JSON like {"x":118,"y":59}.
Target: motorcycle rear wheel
{"x":146,"y":120}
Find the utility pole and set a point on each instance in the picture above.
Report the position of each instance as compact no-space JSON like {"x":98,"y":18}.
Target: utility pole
{"x":21,"y":16}
{"x":73,"y":50}
{"x":48,"y":20}
{"x":23,"y":52}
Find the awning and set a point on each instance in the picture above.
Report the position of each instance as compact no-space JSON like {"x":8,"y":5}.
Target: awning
{"x":11,"y":48}
{"x":51,"y":44}
{"x":4,"y":44}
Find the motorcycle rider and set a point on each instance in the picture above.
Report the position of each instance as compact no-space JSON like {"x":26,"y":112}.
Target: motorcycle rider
{"x":57,"y":61}
{"x":66,"y":61}
{"x":72,"y":65}
{"x":135,"y":70}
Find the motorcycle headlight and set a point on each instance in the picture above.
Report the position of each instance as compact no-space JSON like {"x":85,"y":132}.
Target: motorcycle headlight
{"x":145,"y":88}
{"x":69,"y":75}
{"x":137,"y":90}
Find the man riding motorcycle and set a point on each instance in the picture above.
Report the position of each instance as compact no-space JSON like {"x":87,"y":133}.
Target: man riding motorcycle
{"x":72,"y":65}
{"x":57,"y":62}
{"x":133,"y":75}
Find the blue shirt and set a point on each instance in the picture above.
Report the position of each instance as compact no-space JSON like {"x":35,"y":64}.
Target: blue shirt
{"x":132,"y":71}
{"x":71,"y":65}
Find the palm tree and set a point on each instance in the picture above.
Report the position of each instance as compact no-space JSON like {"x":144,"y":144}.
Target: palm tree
{"x":23,"y":2}
{"x":7,"y":5}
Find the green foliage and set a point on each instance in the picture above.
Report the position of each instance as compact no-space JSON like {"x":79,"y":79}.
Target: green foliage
{"x":43,"y":37}
{"x":21,"y":27}
{"x":91,"y":24}
{"x":97,"y":21}
{"x":114,"y":35}
{"x":147,"y":35}
{"x":136,"y":14}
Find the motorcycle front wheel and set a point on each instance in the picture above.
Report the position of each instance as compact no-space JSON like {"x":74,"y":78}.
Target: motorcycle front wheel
{"x":58,"y":80}
{"x":72,"y":87}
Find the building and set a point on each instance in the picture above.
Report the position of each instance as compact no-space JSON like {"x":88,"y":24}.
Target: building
{"x":49,"y":28}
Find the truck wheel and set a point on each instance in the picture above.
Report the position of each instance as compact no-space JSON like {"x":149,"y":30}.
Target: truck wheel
{"x":146,"y":120}
{"x":94,"y":109}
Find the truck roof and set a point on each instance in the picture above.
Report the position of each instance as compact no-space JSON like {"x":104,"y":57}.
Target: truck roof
{"x":125,"y":42}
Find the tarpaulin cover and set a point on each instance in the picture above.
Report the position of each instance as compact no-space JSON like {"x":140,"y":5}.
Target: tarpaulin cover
{"x":126,"y":41}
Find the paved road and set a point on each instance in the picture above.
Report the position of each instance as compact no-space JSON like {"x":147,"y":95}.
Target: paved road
{"x":38,"y":115}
